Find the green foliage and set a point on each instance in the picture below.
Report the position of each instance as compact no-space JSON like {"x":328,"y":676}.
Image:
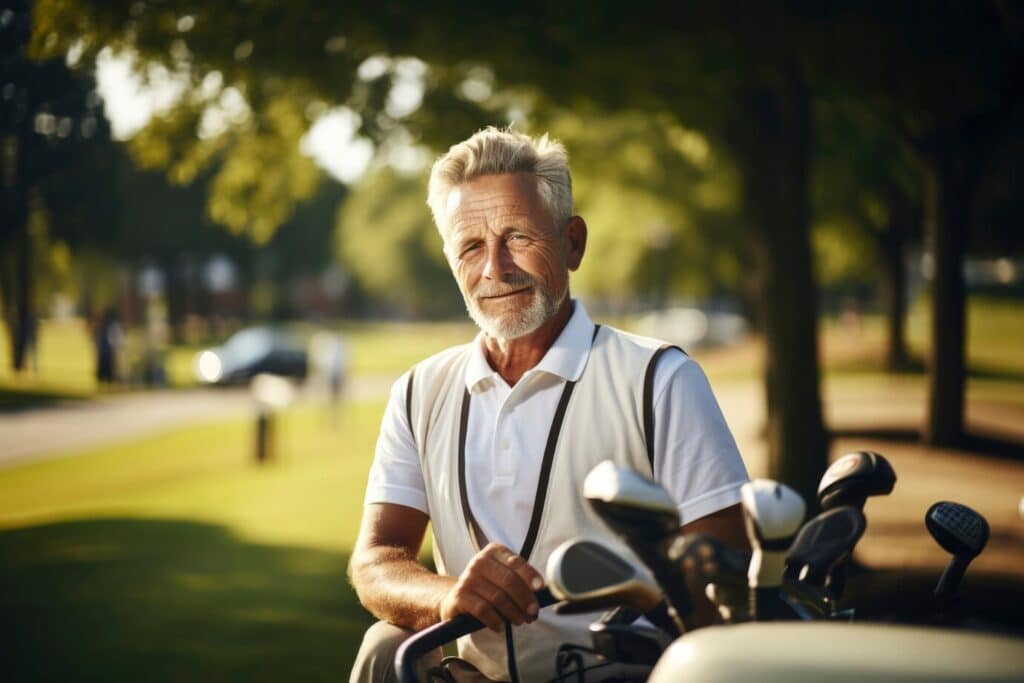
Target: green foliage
{"x":264,"y":175}
{"x":843,"y":252}
{"x":660,"y":203}
{"x":387,"y":240}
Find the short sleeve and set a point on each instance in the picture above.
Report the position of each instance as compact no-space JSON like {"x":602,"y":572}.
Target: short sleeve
{"x":695,"y":454}
{"x":396,"y":476}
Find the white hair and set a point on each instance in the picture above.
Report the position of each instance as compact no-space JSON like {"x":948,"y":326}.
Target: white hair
{"x":492,"y":151}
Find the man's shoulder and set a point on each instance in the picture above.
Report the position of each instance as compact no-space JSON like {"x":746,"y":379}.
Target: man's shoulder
{"x":638,"y":341}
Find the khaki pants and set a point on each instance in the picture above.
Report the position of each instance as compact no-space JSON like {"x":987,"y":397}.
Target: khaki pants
{"x":375,"y":662}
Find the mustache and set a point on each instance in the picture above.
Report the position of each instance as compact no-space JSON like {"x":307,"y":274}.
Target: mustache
{"x":512,"y":284}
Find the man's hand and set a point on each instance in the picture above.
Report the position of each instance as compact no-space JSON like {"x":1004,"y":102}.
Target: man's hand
{"x":727,"y":526}
{"x":497,"y":584}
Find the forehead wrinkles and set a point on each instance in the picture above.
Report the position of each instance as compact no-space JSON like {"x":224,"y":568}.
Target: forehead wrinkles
{"x":494,"y":211}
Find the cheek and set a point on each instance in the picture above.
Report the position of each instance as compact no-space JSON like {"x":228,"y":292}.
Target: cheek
{"x":463,"y":273}
{"x":548,"y":264}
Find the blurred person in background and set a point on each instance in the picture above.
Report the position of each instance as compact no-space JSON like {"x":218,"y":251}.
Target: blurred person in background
{"x":107,"y":338}
{"x":489,"y":442}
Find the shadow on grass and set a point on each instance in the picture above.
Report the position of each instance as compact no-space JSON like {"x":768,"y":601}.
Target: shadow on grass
{"x":131,"y":599}
{"x":17,"y":399}
{"x":981,"y":444}
{"x":916,"y":365}
{"x":985,"y":601}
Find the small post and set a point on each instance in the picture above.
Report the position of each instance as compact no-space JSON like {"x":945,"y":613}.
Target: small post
{"x":264,"y":436}
{"x":271,"y":393}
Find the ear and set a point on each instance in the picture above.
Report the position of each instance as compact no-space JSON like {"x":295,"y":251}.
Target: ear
{"x":576,"y":241}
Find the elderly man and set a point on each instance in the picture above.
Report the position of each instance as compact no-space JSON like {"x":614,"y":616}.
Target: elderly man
{"x":489,"y":442}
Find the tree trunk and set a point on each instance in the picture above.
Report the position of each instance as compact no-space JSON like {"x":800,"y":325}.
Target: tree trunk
{"x":894,"y":282}
{"x":950,"y":180}
{"x":892,"y":243}
{"x":23,"y":301}
{"x":18,"y":297}
{"x":772,"y":140}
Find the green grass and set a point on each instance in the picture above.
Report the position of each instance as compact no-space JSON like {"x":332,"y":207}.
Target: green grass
{"x":64,"y":365}
{"x":392,"y":348}
{"x":176,"y":557}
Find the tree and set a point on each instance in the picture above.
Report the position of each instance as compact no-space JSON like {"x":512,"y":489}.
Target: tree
{"x":948,"y":80}
{"x":744,"y":75}
{"x":56,"y":149}
{"x":867,"y":182}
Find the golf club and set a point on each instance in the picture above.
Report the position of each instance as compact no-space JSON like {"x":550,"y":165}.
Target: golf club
{"x":719,"y":569}
{"x":822,"y":543}
{"x":643,"y":515}
{"x":772,"y":513}
{"x":851,"y":480}
{"x":963,"y":533}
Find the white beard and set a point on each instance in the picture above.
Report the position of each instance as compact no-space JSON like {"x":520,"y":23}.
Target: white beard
{"x":512,"y":323}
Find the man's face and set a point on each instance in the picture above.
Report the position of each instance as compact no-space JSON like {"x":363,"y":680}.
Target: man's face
{"x":510,"y":260}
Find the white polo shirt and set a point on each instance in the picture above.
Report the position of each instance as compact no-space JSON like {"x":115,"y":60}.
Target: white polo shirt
{"x":695,"y":455}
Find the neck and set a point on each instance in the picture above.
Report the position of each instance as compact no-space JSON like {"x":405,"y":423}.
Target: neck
{"x":511,"y":358}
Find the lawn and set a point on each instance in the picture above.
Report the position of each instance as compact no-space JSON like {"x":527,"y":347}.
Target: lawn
{"x":176,"y":557}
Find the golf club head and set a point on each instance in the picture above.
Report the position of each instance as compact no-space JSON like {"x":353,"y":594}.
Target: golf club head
{"x":707,"y":560}
{"x":589,"y":576}
{"x":822,"y":543}
{"x":629,"y":503}
{"x":960,"y":531}
{"x":643,"y":515}
{"x":772,"y":513}
{"x":957,"y":528}
{"x":854,"y":478}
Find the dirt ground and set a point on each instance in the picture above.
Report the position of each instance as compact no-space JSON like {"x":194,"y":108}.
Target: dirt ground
{"x":901,"y":559}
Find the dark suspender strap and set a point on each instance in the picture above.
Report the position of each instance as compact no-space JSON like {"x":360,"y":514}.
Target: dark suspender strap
{"x":545,"y":470}
{"x":476,"y":534}
{"x":649,"y":402}
{"x":549,"y":459}
{"x":408,"y":404}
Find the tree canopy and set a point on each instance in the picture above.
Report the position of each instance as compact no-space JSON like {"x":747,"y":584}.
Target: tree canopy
{"x":745,"y":76}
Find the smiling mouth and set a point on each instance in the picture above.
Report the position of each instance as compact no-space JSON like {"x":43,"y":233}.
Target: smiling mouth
{"x":506,"y":294}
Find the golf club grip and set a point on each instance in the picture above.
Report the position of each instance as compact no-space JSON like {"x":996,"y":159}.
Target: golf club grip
{"x":437,"y":635}
{"x":835,"y":584}
{"x":952,"y":575}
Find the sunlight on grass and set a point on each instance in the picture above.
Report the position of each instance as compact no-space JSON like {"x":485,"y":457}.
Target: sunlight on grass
{"x":310,"y":494}
{"x":179,"y":553}
{"x":393,"y":348}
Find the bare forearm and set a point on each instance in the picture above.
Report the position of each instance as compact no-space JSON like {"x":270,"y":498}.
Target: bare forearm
{"x":395,"y":587}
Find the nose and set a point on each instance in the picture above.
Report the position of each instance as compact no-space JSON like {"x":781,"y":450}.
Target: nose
{"x":498,"y":261}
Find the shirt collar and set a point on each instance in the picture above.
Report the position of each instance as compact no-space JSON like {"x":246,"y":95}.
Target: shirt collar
{"x":566,"y":358}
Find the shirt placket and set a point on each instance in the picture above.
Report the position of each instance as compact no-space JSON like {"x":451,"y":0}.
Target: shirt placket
{"x":507,"y":439}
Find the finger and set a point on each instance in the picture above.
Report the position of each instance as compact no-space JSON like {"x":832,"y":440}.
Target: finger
{"x":502,"y":573}
{"x":480,"y":607}
{"x":500,"y":597}
{"x":530,"y":576}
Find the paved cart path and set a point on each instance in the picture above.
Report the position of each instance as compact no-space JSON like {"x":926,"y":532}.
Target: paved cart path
{"x":71,"y":427}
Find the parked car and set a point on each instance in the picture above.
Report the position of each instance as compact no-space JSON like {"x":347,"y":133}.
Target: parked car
{"x":252,"y":351}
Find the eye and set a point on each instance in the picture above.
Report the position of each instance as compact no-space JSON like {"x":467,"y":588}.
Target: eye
{"x":468,"y":249}
{"x":518,"y":239}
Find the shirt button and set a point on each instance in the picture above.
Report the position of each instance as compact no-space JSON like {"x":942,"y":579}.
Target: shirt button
{"x":504,"y":445}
